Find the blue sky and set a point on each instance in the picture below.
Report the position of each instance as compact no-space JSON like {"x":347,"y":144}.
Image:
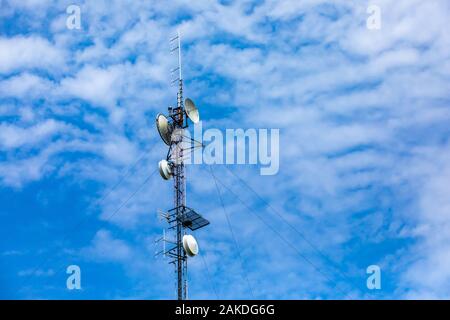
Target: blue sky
{"x":364,"y":147}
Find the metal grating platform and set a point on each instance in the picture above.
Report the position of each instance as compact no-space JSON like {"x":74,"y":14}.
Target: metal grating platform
{"x":192,"y":220}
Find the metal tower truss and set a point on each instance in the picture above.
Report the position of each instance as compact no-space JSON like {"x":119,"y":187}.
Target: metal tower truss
{"x":180,"y":217}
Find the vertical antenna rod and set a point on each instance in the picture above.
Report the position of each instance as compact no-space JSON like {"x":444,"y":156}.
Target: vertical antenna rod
{"x":179,"y":184}
{"x":179,"y":55}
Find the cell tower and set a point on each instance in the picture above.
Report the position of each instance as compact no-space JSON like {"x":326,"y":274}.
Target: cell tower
{"x":180,"y":218}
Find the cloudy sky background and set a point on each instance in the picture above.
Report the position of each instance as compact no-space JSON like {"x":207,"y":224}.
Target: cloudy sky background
{"x":364,"y":147}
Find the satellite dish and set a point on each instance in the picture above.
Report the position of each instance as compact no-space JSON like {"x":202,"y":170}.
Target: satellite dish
{"x":191,"y":110}
{"x":190,"y":245}
{"x":164,"y":128}
{"x":165,"y":170}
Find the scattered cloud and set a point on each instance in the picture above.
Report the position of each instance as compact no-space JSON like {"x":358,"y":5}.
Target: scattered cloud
{"x":106,"y":248}
{"x":363,"y":118}
{"x":28,"y":53}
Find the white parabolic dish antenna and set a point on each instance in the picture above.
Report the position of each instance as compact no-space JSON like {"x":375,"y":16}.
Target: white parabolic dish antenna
{"x":190,"y":245}
{"x":164,"y":128}
{"x":164,"y":169}
{"x":191,"y":110}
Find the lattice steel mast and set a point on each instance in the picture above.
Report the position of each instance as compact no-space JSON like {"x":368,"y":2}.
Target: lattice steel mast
{"x":180,"y":217}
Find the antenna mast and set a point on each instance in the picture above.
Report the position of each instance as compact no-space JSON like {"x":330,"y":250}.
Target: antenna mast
{"x":171,"y":130}
{"x":180,"y":183}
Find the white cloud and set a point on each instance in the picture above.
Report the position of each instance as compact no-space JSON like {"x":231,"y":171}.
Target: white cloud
{"x":12,"y":136}
{"x":29,"y":4}
{"x":106,"y":248}
{"x":19,"y":172}
{"x":32,"y":52}
{"x":36,"y":273}
{"x":352,"y":105}
{"x":119,"y":149}
{"x":95,"y":85}
{"x":427,"y":274}
{"x":25,"y":86}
